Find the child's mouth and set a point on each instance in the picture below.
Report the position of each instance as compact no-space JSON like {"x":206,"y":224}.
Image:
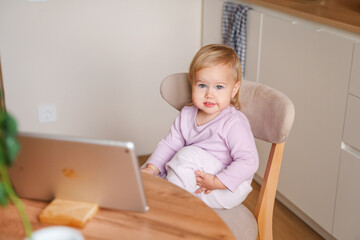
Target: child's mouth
{"x":209,"y":104}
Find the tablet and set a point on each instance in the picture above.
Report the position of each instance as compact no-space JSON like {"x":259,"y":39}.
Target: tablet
{"x":89,"y":170}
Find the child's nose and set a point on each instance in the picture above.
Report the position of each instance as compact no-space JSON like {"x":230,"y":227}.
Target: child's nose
{"x":209,"y":93}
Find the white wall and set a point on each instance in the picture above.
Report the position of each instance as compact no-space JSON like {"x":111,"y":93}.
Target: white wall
{"x":100,"y":62}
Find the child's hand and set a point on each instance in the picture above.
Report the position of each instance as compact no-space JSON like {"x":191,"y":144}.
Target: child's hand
{"x":151,"y":169}
{"x":207,"y":182}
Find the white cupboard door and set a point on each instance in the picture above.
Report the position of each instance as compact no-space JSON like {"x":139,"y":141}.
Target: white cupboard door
{"x":352,"y":122}
{"x":313,"y":69}
{"x":355,"y":72}
{"x":347,"y":211}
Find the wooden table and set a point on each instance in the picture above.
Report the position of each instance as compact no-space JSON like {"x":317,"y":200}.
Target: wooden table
{"x":174,"y":214}
{"x":343,"y":14}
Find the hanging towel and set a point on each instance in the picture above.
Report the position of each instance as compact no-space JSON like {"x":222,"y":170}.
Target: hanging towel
{"x":234,"y":23}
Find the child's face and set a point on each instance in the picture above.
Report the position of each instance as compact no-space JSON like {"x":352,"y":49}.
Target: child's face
{"x":213,"y":89}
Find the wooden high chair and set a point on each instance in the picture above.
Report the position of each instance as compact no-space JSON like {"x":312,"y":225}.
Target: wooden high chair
{"x":271,"y":115}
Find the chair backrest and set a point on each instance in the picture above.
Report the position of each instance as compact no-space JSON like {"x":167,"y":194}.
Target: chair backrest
{"x":271,"y":115}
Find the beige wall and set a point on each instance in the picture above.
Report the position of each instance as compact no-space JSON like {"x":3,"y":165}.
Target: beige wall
{"x":100,"y":62}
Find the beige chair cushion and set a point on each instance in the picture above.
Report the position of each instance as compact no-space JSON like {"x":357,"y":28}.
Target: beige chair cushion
{"x":270,"y":112}
{"x":176,"y":90}
{"x":241,"y":222}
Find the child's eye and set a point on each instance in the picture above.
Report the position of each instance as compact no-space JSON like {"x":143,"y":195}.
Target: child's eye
{"x":202,"y":85}
{"x":219,"y":87}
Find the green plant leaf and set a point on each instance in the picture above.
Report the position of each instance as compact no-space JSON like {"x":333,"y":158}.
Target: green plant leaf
{"x":2,"y":118}
{"x":2,"y":157}
{"x":3,"y":196}
{"x":9,"y":125}
{"x":2,"y":115}
{"x":12,"y":148}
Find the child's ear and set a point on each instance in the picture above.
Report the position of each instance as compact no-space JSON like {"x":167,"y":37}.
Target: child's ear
{"x":236,"y":88}
{"x":190,"y":80}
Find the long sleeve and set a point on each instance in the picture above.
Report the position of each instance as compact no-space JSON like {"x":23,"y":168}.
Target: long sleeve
{"x":168,"y":146}
{"x":240,"y":141}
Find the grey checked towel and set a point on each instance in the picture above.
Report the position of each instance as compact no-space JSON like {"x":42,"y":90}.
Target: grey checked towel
{"x":234,"y":23}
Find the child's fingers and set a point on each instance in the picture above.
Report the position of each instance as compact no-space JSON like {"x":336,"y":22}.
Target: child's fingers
{"x":148,"y":170}
{"x":200,"y":190}
{"x":199,"y":173}
{"x":199,"y":179}
{"x":200,"y":182}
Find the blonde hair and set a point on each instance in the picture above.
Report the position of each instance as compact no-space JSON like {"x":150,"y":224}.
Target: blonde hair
{"x":216,"y":54}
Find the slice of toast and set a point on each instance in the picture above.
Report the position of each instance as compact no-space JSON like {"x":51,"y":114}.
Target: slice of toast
{"x":70,"y":213}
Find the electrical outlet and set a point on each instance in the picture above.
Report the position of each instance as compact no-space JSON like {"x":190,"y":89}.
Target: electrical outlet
{"x":47,"y":113}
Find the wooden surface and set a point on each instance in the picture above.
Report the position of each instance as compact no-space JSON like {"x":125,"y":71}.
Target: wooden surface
{"x":265,"y":204}
{"x":70,"y":213}
{"x":174,"y":214}
{"x":343,"y":14}
{"x":287,"y":226}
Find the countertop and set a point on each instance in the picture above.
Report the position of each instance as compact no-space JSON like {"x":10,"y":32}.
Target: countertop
{"x":343,"y":14}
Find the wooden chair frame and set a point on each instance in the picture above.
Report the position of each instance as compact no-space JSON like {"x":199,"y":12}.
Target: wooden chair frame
{"x":265,"y":203}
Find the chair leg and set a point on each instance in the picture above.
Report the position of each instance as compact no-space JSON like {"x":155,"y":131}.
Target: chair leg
{"x":265,"y":204}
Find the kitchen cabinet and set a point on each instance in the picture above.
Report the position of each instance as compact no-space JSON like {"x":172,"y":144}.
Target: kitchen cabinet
{"x":312,"y":67}
{"x":352,"y":122}
{"x":355,"y":72}
{"x":347,"y":208}
{"x":347,"y":211}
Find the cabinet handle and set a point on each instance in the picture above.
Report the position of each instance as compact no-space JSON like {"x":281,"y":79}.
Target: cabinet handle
{"x":350,"y":149}
{"x":284,"y":18}
{"x":338,"y":34}
{"x":325,"y":31}
{"x":291,"y":21}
